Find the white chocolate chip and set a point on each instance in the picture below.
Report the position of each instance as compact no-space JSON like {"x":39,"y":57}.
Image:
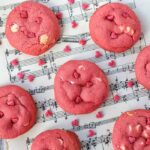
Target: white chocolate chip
{"x":61,"y":141}
{"x":14,"y":28}
{"x":121,"y":28}
{"x":138,"y":128}
{"x":122,"y":147}
{"x":81,"y":67}
{"x":129,"y":114}
{"x":44,"y":39}
{"x":145,"y":134}
{"x":129,"y":30}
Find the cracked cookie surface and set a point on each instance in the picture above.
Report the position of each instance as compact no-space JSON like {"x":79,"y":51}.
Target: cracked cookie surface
{"x":17,"y":111}
{"x":115,"y":27}
{"x":56,"y":140}
{"x":30,"y":31}
{"x":80,"y":86}
{"x":132,"y":131}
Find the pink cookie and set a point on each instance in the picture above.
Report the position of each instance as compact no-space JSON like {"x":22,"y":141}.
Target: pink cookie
{"x":56,"y":140}
{"x":132,"y":131}
{"x":32,"y":28}
{"x":80,"y":86}
{"x":142,"y":67}
{"x":115,"y":27}
{"x":17,"y":111}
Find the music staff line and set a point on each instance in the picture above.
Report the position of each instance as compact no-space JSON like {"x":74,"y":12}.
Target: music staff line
{"x":82,"y":16}
{"x":51,"y":104}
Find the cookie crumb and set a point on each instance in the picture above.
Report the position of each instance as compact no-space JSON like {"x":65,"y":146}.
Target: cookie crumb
{"x":41,"y":62}
{"x":67,"y":48}
{"x":130,"y":83}
{"x":85,"y":6}
{"x":75,"y":122}
{"x":14,"y":28}
{"x":14,"y":62}
{"x":99,"y":115}
{"x":71,"y":1}
{"x":31,"y":78}
{"x":48,"y":113}
{"x":112,"y":63}
{"x":82,"y":41}
{"x":20,"y":75}
{"x":74,"y":24}
{"x":91,"y":133}
{"x":116,"y":98}
{"x":98,"y":54}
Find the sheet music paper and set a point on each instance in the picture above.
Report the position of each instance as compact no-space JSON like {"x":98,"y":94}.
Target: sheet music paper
{"x":42,"y":87}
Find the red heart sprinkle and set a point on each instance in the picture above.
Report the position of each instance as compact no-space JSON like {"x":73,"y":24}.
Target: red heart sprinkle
{"x":91,"y":133}
{"x":74,"y":24}
{"x":48,"y":113}
{"x":41,"y":62}
{"x":82,"y":41}
{"x":112,"y":63}
{"x":132,"y":139}
{"x":59,"y":15}
{"x":99,"y":115}
{"x":130,"y":83}
{"x":75,"y":122}
{"x":31,"y":78}
{"x":14,"y":62}
{"x":98,"y":54}
{"x":116,"y":98}
{"x":85,"y":6}
{"x":71,"y":1}
{"x":20,"y":75}
{"x":67,"y":49}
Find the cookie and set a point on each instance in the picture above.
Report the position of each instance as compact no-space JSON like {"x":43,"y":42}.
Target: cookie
{"x":80,"y":86}
{"x":132,"y":131}
{"x":30,"y":31}
{"x":115,"y":27}
{"x":17,"y":111}
{"x":142,"y":67}
{"x":56,"y":140}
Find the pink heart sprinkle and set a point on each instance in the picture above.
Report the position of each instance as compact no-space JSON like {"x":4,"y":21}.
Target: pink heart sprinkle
{"x":130,"y":83}
{"x":67,"y":49}
{"x":116,"y":98}
{"x":132,"y":139}
{"x":91,"y":133}
{"x":59,"y":15}
{"x":31,"y":35}
{"x":14,"y":62}
{"x":74,"y":24}
{"x":98,"y":54}
{"x":41,"y":62}
{"x":31,"y":78}
{"x":85,"y":6}
{"x":112,"y":63}
{"x":24,"y":14}
{"x":48,"y":113}
{"x":82,"y":41}
{"x":71,"y":1}
{"x":14,"y":120}
{"x":20,"y":75}
{"x":99,"y":115}
{"x":75,"y":122}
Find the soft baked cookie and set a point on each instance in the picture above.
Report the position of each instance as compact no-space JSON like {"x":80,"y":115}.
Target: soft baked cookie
{"x":142,"y":67}
{"x":80,"y":86}
{"x":17,"y":111}
{"x":132,"y":131}
{"x":56,"y":140}
{"x":32,"y":28}
{"x":115,"y":27}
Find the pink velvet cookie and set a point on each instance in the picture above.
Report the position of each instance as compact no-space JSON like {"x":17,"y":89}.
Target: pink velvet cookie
{"x":32,"y":28}
{"x":56,"y":140}
{"x":80,"y":86}
{"x":142,"y":67}
{"x":115,"y":27}
{"x":17,"y":111}
{"x":132,"y":131}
